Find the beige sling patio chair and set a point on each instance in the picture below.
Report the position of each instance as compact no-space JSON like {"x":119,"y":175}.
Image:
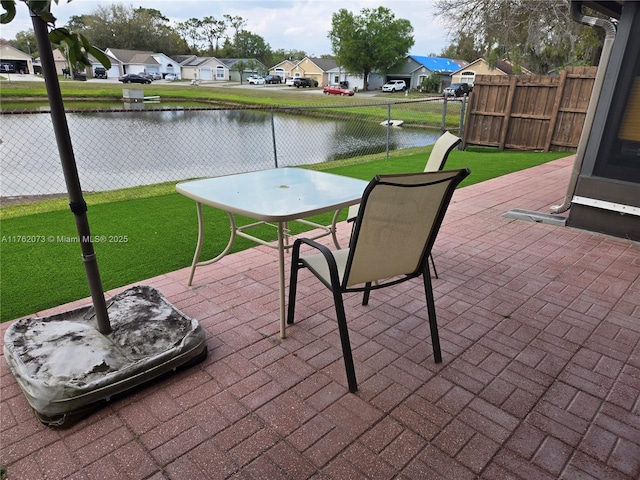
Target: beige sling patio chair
{"x":437,"y":158}
{"x":397,"y":223}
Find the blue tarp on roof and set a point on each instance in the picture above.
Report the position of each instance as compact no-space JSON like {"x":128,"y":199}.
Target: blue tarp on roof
{"x":437,"y":64}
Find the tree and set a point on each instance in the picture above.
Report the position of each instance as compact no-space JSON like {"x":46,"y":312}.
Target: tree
{"x":240,"y":67}
{"x":190,"y":30}
{"x":237,"y":23}
{"x":250,"y":45}
{"x":212,"y":31}
{"x":463,"y":48}
{"x":540,"y":35}
{"x":372,"y":41}
{"x":120,"y":26}
{"x":26,"y":42}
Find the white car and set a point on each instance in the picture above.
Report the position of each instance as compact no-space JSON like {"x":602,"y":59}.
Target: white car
{"x":170,"y":77}
{"x":394,"y":86}
{"x":255,"y":80}
{"x":289,"y":81}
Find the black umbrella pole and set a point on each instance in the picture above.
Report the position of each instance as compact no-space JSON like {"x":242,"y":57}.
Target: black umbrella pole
{"x":76,"y":200}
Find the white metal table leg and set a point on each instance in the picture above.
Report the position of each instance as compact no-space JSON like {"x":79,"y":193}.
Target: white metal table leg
{"x":283,"y":333}
{"x":196,"y":255}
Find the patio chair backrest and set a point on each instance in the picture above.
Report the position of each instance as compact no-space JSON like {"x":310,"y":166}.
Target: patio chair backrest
{"x":398,"y":221}
{"x":440,"y":152}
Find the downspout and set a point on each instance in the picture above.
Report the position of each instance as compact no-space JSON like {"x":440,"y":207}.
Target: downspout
{"x":610,"y":34}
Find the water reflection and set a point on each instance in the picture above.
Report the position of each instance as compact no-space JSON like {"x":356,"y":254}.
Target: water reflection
{"x":123,"y":149}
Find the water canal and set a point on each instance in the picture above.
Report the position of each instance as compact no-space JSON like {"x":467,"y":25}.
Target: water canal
{"x":124,"y":149}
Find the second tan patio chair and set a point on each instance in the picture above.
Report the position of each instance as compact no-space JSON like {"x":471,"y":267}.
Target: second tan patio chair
{"x":437,"y":158}
{"x":397,"y":224}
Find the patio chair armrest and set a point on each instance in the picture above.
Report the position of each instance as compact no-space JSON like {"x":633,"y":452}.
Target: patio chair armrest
{"x":326,"y":253}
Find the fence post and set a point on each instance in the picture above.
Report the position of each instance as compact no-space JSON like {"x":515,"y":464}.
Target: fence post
{"x":461,"y":121}
{"x":443,"y":123}
{"x":507,"y":113}
{"x":273,"y":139}
{"x":388,"y":127}
{"x":557,"y":102}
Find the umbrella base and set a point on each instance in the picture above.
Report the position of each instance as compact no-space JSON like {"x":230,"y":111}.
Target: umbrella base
{"x":67,"y":369}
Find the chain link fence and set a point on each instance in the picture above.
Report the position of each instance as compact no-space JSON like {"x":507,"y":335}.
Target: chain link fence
{"x":143,"y":145}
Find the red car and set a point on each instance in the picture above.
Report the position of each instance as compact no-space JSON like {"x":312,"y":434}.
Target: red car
{"x":337,"y":90}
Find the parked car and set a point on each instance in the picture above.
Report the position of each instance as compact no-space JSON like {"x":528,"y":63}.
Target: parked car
{"x":155,"y":76}
{"x":146,"y":75}
{"x":100,"y":72}
{"x":289,"y":81}
{"x":304,"y":82}
{"x":255,"y":80}
{"x":80,"y":76}
{"x":273,"y":79}
{"x":170,"y":77}
{"x":337,"y":90}
{"x":133,"y":78}
{"x":457,"y":90}
{"x":394,"y":86}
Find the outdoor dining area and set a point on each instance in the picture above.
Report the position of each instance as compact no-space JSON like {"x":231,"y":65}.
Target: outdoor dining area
{"x":521,"y":359}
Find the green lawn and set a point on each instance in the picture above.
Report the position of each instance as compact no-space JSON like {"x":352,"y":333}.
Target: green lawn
{"x":155,"y":232}
{"x":25,"y":96}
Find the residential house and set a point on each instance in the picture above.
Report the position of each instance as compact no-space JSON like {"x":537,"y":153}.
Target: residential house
{"x":416,"y":68}
{"x":114,"y":71}
{"x":323,"y":70}
{"x":61,"y":62}
{"x":316,"y":69}
{"x":135,"y":61}
{"x":284,"y":69}
{"x":355,"y":81}
{"x":250,"y":66}
{"x":13,"y":60}
{"x":467,"y":74}
{"x":203,"y":68}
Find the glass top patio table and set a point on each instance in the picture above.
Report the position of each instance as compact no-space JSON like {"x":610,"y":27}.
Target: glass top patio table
{"x":278,"y":195}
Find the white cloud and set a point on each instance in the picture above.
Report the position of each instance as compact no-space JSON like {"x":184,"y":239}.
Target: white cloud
{"x":296,"y":24}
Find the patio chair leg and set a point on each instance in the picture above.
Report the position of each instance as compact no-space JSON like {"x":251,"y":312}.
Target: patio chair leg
{"x":344,"y":340}
{"x":365,"y":295}
{"x":435,"y":272}
{"x":431,"y":311}
{"x":293,"y":283}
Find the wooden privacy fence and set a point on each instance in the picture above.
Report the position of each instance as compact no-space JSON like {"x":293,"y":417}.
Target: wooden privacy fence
{"x":529,"y":112}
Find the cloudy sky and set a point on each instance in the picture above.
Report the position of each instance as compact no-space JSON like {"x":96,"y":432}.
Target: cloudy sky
{"x":297,"y":24}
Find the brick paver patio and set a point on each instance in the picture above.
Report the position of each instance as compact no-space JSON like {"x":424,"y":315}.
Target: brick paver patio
{"x":540,"y":331}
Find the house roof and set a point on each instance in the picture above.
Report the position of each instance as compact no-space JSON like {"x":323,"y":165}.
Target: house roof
{"x":194,"y":61}
{"x":439,"y":64}
{"x":183,"y":59}
{"x":134,"y":56}
{"x":93,"y":59}
{"x":324,"y":64}
{"x":8,"y":52}
{"x":504,"y":66}
{"x":230,"y":62}
{"x":289,"y":62}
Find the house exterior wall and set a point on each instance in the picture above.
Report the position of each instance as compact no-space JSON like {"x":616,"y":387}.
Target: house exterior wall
{"x":284,"y":69}
{"x":308,"y":69}
{"x":19,"y":60}
{"x":475,"y":68}
{"x":113,"y":72}
{"x":60,"y":62}
{"x":418,"y":76}
{"x":190,"y":72}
